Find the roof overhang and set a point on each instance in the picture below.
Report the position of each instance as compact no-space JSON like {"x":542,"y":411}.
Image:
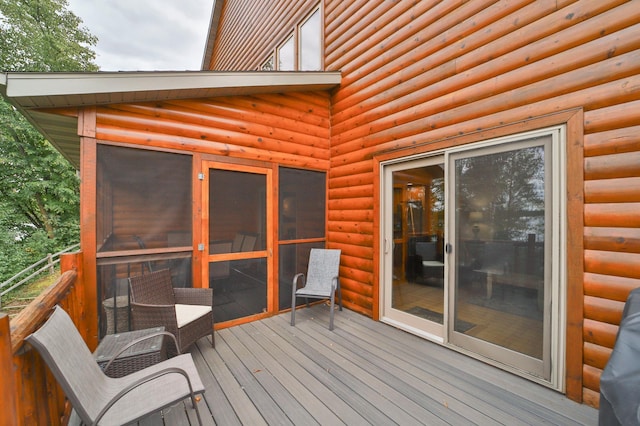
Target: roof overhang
{"x":34,"y":93}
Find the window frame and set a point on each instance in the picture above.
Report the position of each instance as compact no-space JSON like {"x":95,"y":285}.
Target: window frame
{"x":295,"y":34}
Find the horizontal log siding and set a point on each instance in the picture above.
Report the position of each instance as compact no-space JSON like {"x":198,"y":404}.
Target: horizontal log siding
{"x":249,"y":31}
{"x":290,"y":129}
{"x":420,"y":72}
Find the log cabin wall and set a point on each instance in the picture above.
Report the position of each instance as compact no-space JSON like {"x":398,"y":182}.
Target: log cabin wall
{"x":256,"y":28}
{"x":290,"y":129}
{"x":415,"y":72}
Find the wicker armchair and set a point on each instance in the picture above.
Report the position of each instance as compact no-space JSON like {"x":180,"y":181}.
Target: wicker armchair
{"x":187,"y":313}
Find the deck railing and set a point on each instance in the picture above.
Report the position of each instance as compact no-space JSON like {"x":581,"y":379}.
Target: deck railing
{"x":29,"y":394}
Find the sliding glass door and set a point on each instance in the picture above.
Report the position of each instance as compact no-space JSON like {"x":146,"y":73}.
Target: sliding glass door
{"x":500,"y":244}
{"x":415,"y":245}
{"x":471,"y":250}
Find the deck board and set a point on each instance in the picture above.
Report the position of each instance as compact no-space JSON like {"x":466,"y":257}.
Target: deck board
{"x":364,"y":372}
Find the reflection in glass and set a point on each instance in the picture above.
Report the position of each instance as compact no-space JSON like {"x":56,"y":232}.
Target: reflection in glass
{"x":418,"y":245}
{"x":500,"y":231}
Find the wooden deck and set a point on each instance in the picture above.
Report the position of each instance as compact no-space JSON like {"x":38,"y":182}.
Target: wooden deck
{"x":364,"y":372}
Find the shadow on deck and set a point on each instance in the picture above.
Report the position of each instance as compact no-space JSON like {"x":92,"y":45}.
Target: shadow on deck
{"x":364,"y":372}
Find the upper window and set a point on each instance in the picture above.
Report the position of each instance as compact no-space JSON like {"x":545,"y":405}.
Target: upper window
{"x":286,"y":55}
{"x":310,"y":46}
{"x":268,"y":65}
{"x":302,"y":48}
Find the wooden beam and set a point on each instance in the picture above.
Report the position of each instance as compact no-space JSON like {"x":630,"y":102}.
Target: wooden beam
{"x":8,"y":396}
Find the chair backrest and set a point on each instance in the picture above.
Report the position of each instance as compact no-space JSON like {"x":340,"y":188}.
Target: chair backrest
{"x":153,"y":288}
{"x":69,"y":359}
{"x":236,"y":246}
{"x":426,"y":250}
{"x":249,"y":242}
{"x":324,"y":265}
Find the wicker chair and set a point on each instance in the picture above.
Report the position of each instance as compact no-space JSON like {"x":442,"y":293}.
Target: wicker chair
{"x":186,"y":313}
{"x":322,"y":281}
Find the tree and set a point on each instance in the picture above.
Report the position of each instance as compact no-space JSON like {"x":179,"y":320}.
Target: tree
{"x":39,"y":189}
{"x":507,"y":188}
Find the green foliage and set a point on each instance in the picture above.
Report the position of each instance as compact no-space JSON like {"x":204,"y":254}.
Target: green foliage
{"x":42,"y":35}
{"x":39,"y":189}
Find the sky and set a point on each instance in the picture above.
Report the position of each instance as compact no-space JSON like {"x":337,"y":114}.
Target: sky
{"x":146,"y":35}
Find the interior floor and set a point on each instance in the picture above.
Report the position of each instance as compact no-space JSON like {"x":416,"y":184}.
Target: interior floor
{"x":516,"y":329}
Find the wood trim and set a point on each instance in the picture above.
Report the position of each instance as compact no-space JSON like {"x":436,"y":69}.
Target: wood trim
{"x":377,"y":201}
{"x":575,"y":256}
{"x":88,"y":243}
{"x":196,"y":222}
{"x":143,"y":252}
{"x":8,"y":397}
{"x":269,"y":172}
{"x":87,"y":122}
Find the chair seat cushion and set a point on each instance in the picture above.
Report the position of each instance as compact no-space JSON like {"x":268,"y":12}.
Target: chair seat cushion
{"x":186,"y":314}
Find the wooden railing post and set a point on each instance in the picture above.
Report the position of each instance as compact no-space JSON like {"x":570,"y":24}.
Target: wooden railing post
{"x":9,"y":416}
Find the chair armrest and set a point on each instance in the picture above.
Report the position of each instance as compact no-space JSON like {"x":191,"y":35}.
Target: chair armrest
{"x":296,"y":278}
{"x":193,"y":296}
{"x":141,"y":381}
{"x":135,"y":342}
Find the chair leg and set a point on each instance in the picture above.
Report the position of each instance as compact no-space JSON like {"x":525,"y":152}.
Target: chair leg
{"x":339,"y":294}
{"x":195,"y":407}
{"x":333,"y":301}
{"x":293,"y":306}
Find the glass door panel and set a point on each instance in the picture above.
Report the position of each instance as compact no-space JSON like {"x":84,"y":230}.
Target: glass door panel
{"x":416,"y":231}
{"x":500,"y":225}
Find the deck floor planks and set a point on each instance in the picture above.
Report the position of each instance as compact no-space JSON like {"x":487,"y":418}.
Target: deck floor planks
{"x":272,"y":388}
{"x":525,"y":399}
{"x":243,"y":406}
{"x":267,"y":407}
{"x":277,"y":364}
{"x":274,"y":344}
{"x":443,"y":385}
{"x":215,"y":398}
{"x":378,"y":380}
{"x":422,"y":386}
{"x":314,"y":363}
{"x":364,"y":372}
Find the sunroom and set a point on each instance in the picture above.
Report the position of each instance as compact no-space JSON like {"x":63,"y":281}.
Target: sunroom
{"x":220,"y":177}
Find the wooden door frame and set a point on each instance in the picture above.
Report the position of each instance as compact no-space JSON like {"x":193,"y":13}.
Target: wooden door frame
{"x":202,"y":258}
{"x":573,"y":119}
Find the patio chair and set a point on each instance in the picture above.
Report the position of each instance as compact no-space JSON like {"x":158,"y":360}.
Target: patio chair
{"x":322,"y":281}
{"x":99,"y":399}
{"x":186,"y":313}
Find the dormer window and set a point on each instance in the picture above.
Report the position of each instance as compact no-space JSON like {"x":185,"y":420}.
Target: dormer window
{"x":302,"y":48}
